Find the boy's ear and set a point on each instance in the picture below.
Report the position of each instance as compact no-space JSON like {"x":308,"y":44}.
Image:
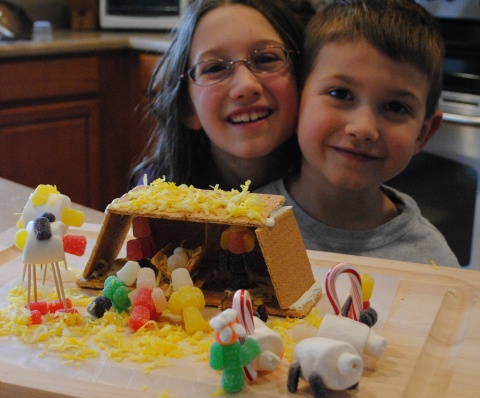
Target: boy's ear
{"x":429,"y":128}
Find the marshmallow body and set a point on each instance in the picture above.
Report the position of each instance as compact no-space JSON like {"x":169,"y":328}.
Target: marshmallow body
{"x":55,"y":204}
{"x":336,"y":362}
{"x":359,"y":335}
{"x":45,"y":251}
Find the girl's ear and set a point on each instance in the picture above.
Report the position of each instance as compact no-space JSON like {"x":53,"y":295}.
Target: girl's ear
{"x":429,"y":128}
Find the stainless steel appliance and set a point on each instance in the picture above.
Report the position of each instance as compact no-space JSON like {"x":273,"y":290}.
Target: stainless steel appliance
{"x":140,"y":14}
{"x":445,"y":177}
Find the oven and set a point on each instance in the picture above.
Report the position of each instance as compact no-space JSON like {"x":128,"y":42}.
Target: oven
{"x":444,"y":178}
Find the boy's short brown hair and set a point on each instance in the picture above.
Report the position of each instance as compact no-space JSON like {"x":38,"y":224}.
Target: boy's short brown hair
{"x":401,"y":29}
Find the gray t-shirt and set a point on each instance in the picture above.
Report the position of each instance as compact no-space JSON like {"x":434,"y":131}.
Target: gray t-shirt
{"x":407,"y":237}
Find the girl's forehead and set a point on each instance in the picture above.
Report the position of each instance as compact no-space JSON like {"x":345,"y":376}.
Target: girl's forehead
{"x":231,"y":29}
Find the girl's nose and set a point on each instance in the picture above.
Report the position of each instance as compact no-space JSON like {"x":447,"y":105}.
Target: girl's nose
{"x":244,"y":83}
{"x":362,"y":124}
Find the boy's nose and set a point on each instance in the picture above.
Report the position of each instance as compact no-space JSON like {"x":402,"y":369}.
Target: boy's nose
{"x":244,"y":83}
{"x":363,"y":124}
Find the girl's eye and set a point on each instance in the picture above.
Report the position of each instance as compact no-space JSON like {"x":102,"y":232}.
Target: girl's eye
{"x":341,"y":94}
{"x":212,"y":68}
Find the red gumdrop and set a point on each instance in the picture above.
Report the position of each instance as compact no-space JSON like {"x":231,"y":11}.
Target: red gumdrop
{"x":144,"y":298}
{"x":141,"y":227}
{"x":36,"y":317}
{"x":56,"y":305}
{"x":139,"y":316}
{"x":155,"y":316}
{"x":74,"y":244}
{"x":40,"y":306}
{"x":140,"y":248}
{"x":237,"y":244}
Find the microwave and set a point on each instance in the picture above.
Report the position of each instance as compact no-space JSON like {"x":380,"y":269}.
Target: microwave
{"x":140,"y":14}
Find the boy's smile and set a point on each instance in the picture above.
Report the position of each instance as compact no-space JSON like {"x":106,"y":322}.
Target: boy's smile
{"x":362,"y":116}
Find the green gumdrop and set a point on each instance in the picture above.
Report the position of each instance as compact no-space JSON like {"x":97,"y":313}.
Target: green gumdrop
{"x":112,"y":283}
{"x":120,"y":298}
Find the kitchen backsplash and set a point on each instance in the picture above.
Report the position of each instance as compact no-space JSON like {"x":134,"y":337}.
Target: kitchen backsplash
{"x":55,"y":11}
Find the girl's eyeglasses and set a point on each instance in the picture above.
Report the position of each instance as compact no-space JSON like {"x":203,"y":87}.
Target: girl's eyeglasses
{"x":262,"y":61}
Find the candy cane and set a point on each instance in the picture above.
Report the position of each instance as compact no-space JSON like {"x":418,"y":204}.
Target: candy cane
{"x":242,"y":303}
{"x":356,"y":282}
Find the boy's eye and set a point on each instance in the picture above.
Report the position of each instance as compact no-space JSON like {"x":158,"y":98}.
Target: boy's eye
{"x":396,"y":107}
{"x":341,"y":94}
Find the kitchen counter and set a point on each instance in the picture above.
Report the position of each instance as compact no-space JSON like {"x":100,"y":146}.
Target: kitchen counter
{"x":72,"y":41}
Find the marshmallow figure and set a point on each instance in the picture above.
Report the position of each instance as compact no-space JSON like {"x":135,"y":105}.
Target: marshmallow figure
{"x":359,"y":335}
{"x":271,"y":347}
{"x":325,"y":364}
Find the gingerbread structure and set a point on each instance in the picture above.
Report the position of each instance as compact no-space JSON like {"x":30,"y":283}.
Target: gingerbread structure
{"x":195,"y":219}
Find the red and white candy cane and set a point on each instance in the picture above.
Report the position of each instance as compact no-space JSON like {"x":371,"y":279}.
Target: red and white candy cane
{"x":242,"y":303}
{"x":356,"y":293}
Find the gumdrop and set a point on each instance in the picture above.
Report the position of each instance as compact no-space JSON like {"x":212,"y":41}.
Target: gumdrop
{"x":159,"y":300}
{"x":177,"y":260}
{"x":74,"y":244}
{"x":111,"y":284}
{"x":146,"y":278}
{"x":194,"y":320}
{"x":35,"y":317}
{"x":144,"y":298}
{"x":42,"y":229}
{"x":140,"y":316}
{"x":56,"y":305}
{"x":120,"y":300}
{"x":181,"y":277}
{"x":128,"y":273}
{"x":41,"y":306}
{"x":141,"y":227}
{"x":41,"y":193}
{"x":186,"y":296}
{"x":140,"y":248}
{"x":99,"y":306}
{"x":73,"y":217}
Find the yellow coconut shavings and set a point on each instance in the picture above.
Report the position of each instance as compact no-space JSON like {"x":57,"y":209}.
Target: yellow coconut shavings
{"x":161,"y":195}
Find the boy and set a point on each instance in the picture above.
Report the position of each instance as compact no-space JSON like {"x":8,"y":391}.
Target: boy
{"x":373,"y":73}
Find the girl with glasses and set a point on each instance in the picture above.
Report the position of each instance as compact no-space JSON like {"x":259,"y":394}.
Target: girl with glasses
{"x":226,"y":96}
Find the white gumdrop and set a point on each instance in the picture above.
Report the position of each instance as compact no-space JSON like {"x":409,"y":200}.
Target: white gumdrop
{"x":181,"y":277}
{"x":129,"y":272}
{"x":146,"y":278}
{"x":178,"y":259}
{"x":159,"y":299}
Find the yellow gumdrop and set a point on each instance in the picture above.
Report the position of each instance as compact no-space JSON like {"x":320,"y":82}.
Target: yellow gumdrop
{"x":21,"y":238}
{"x":367,"y":286}
{"x":73,"y":217}
{"x":194,"y":320}
{"x":41,"y":194}
{"x":186,"y":296}
{"x":20,"y":223}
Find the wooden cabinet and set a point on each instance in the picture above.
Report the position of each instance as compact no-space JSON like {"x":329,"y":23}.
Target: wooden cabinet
{"x":78,"y":121}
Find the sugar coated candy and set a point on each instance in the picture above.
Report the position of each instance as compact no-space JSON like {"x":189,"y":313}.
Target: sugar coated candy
{"x":99,"y":306}
{"x":181,"y":277}
{"x":111,"y":284}
{"x":158,"y":297}
{"x":128,"y":273}
{"x":73,"y":217}
{"x":178,"y":259}
{"x":146,"y":278}
{"x":141,"y":227}
{"x":140,"y":248}
{"x":41,"y":227}
{"x":120,"y":300}
{"x":35,"y":317}
{"x":74,"y":244}
{"x":144,"y":298}
{"x":57,"y":305}
{"x":138,"y":317}
{"x":41,"y":306}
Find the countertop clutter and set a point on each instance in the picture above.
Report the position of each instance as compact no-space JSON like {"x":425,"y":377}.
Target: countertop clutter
{"x":77,"y":41}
